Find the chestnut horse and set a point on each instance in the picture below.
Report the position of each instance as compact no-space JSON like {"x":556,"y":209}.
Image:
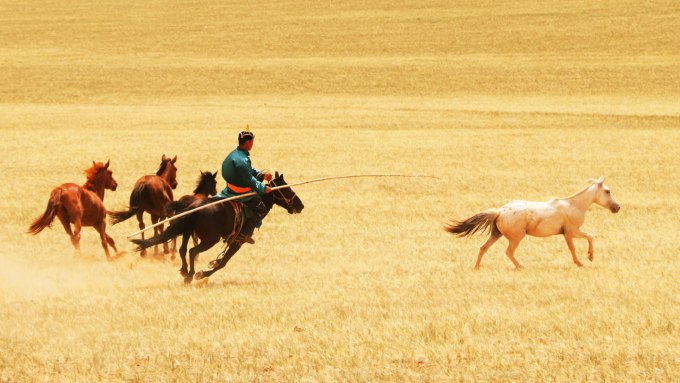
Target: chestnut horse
{"x":218,"y":222}
{"x":539,"y":219}
{"x":80,"y":206}
{"x":150,"y":194}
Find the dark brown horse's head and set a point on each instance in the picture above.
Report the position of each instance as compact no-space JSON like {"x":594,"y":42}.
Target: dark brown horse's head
{"x":285,"y":197}
{"x":168,"y":170}
{"x":207,"y":184}
{"x":99,"y":174}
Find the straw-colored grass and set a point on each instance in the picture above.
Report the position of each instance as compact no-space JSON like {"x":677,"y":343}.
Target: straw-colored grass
{"x":501,"y":102}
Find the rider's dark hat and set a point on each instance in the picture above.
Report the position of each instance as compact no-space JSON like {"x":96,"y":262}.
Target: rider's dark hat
{"x":245,"y":135}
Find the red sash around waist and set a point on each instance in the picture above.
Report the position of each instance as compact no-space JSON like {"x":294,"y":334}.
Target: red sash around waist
{"x":238,"y":189}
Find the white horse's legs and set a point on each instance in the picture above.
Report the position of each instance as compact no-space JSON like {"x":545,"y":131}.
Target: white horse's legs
{"x":570,"y":244}
{"x":583,"y":234}
{"x":485,"y":247}
{"x":510,"y":252}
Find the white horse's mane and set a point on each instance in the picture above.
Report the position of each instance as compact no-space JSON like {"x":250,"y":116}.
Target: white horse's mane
{"x":591,"y":180}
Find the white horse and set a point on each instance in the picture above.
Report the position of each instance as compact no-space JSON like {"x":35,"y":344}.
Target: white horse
{"x":539,"y":219}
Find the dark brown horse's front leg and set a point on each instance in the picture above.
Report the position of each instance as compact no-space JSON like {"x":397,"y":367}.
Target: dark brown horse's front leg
{"x":233,"y":249}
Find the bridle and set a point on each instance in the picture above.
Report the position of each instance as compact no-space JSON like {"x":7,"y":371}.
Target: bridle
{"x":287,"y":201}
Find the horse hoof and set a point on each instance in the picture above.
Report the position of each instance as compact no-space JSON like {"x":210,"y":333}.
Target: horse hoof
{"x":183,"y":273}
{"x":199,"y":275}
{"x":187,"y":279}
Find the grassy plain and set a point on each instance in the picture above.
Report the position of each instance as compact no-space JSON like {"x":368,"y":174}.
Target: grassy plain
{"x":501,"y":101}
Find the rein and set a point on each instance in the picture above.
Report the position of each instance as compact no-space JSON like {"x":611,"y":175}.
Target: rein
{"x":288,"y":202}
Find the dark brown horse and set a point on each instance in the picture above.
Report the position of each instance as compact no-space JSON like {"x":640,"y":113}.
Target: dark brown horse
{"x":205,"y":187}
{"x":150,"y":194}
{"x":80,"y":206}
{"x":218,"y":222}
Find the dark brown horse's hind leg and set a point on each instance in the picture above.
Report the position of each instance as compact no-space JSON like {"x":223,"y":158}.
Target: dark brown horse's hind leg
{"x":203,"y":246}
{"x":166,"y":248}
{"x":173,"y":249}
{"x":183,"y":255}
{"x":156,"y":231}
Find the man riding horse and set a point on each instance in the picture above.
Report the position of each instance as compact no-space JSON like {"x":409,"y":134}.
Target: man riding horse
{"x":242,"y":178}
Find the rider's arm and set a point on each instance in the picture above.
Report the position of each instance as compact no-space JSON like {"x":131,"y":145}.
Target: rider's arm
{"x":244,"y":173}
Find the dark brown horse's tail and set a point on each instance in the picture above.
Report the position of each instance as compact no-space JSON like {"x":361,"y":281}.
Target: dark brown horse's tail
{"x":479,"y":222}
{"x":45,"y":220}
{"x":138,"y":193}
{"x":177,"y":227}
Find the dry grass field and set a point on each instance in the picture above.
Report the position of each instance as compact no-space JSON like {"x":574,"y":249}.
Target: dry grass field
{"x":501,"y":101}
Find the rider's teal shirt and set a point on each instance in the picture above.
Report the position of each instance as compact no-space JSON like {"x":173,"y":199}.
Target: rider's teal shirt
{"x":239,"y":173}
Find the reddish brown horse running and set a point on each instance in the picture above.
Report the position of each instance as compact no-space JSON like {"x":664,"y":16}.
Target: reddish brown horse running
{"x":150,"y":194}
{"x":80,"y":206}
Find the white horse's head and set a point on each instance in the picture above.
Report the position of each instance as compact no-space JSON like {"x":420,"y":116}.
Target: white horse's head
{"x":604,"y":197}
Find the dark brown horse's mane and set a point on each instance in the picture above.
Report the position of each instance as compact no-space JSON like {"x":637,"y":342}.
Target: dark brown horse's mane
{"x":205,"y":181}
{"x":91,"y":173}
{"x":164,"y":164}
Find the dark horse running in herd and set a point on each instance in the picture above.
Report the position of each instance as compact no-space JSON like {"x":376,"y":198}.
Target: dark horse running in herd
{"x":151,"y":194}
{"x":217,"y":222}
{"x":80,"y":206}
{"x":205,"y":187}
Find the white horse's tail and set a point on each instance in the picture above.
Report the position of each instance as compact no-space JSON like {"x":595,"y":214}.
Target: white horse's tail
{"x":483,"y":222}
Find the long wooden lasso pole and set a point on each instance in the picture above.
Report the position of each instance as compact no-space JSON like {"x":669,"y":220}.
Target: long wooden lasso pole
{"x":274,"y":188}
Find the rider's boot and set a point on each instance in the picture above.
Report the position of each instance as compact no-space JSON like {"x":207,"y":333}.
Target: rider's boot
{"x":246,"y":234}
